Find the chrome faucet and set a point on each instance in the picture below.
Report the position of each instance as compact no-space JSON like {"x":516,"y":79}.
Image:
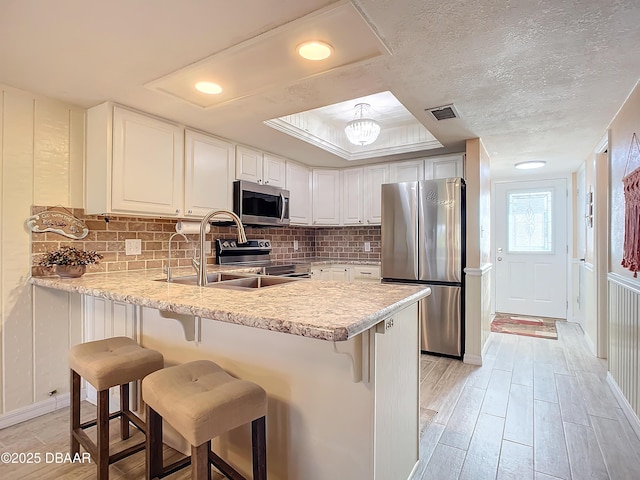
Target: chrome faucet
{"x":201,"y":264}
{"x":169,"y":259}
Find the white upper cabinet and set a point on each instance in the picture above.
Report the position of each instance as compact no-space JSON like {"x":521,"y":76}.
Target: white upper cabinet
{"x":298,"y":182}
{"x":374,"y":177}
{"x":248,"y":164}
{"x":352,"y":197}
{"x":134,"y":163}
{"x":407,"y":171}
{"x":326,"y":197}
{"x":444,"y":167}
{"x":273,"y":170}
{"x":254,"y":166}
{"x":209,"y":173}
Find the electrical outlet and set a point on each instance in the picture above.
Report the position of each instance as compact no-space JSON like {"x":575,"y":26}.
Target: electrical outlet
{"x":207,"y":247}
{"x":367,"y":246}
{"x":295,"y":244}
{"x":133,"y":246}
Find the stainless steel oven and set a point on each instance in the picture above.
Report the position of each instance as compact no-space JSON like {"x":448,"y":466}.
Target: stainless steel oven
{"x":257,"y":253}
{"x":262,"y":205}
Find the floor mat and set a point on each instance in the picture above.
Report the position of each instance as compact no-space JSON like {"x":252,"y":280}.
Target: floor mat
{"x":524,"y":325}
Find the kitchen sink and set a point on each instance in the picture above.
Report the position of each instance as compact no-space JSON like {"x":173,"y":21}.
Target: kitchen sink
{"x":233,"y":280}
{"x":249,"y":283}
{"x":212,"y":278}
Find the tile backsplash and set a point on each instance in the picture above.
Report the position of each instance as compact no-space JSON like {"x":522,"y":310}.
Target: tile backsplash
{"x":108,"y":238}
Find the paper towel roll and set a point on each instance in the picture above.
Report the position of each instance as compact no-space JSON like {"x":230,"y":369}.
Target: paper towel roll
{"x":190,"y":227}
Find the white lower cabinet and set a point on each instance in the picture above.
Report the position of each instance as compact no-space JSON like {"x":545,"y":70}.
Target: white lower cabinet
{"x":346,"y":273}
{"x":365,"y":273}
{"x":330,"y":272}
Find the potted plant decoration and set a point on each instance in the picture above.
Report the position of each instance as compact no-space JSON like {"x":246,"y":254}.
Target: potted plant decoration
{"x":69,"y":261}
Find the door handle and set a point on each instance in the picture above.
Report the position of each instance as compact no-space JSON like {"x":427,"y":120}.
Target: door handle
{"x":499,"y":259}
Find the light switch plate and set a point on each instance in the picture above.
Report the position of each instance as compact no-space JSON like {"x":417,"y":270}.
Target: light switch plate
{"x":207,"y":247}
{"x":133,"y":246}
{"x":295,"y":244}
{"x":367,"y":246}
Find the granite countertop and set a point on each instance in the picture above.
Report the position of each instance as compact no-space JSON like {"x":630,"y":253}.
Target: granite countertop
{"x":325,"y":310}
{"x":341,"y":261}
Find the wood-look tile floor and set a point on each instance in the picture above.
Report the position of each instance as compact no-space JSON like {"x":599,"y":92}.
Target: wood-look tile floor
{"x":537,"y":409}
{"x":49,"y":434}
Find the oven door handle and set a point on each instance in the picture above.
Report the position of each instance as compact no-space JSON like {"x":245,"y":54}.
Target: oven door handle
{"x":282,"y":207}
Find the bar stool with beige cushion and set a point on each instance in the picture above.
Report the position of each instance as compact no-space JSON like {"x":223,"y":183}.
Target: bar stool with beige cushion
{"x":202,"y":401}
{"x":104,"y":364}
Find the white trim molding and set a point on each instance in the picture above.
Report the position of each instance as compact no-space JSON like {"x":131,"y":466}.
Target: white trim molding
{"x":472,"y":359}
{"x":629,"y":283}
{"x":38,"y":409}
{"x":478,"y":272}
{"x":624,"y":404}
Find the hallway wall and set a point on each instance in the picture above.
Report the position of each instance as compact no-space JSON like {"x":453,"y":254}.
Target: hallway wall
{"x":41,"y":161}
{"x":624,"y":289}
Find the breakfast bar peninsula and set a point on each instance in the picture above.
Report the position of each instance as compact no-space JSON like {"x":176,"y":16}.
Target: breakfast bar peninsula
{"x":339,"y":361}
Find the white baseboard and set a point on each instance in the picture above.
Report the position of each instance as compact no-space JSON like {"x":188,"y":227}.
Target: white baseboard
{"x":590,"y":344}
{"x":472,"y":359}
{"x":36,"y":410}
{"x":624,"y":404}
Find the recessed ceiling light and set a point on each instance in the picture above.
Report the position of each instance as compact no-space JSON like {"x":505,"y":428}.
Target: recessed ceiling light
{"x":530,"y":165}
{"x":314,"y":50}
{"x":208,"y":88}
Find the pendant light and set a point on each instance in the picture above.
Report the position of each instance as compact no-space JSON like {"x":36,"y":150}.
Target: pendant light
{"x":361,"y":130}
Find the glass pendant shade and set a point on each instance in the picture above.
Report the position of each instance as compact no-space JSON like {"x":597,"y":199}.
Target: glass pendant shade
{"x":362,"y":131}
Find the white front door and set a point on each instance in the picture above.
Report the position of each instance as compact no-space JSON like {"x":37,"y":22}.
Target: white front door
{"x":531,"y":248}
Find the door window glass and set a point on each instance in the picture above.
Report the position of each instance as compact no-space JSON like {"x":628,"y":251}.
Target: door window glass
{"x":529,"y":220}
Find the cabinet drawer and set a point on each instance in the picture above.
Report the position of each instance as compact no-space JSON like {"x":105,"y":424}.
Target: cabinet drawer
{"x":366,"y":272}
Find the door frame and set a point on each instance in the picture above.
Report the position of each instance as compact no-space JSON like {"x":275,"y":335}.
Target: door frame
{"x":568,"y":177}
{"x":601,"y":243}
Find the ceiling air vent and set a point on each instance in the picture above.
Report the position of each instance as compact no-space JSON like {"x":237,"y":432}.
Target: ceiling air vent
{"x":444,"y":112}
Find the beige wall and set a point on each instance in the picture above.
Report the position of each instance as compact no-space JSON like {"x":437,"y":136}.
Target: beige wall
{"x":624,"y":125}
{"x":41,"y":161}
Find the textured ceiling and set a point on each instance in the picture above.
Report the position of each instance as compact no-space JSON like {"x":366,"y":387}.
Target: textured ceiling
{"x":534,"y":80}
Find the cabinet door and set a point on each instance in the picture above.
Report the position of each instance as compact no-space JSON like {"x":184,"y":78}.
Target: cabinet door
{"x":248,"y":164}
{"x":444,"y":167}
{"x":298,"y":182}
{"x":353,"y":196}
{"x":374,"y":177}
{"x":409,"y":171}
{"x":209,"y":168}
{"x":273,"y":170}
{"x":340,"y":273}
{"x":147,"y":172}
{"x":326,"y":197}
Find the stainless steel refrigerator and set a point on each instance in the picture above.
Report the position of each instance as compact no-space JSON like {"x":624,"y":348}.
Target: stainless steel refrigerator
{"x":423,"y":241}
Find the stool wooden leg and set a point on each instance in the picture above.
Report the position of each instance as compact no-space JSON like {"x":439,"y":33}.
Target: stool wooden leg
{"x":200,"y":466}
{"x":259,"y":449}
{"x":74,"y":421}
{"x":103,"y":435}
{"x":154,"y":444}
{"x":124,"y":407}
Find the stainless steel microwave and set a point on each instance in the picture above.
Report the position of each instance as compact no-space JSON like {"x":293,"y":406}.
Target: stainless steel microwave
{"x":260,"y":204}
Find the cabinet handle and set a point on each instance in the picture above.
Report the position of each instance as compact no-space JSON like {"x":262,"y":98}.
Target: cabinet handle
{"x":190,"y":211}
{"x":259,"y":180}
{"x":266,"y":182}
{"x":359,"y":221}
{"x":365,"y":273}
{"x":177,"y":211}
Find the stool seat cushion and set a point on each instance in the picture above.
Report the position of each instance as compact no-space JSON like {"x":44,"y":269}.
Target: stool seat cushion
{"x":201,"y":401}
{"x":113,"y":361}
